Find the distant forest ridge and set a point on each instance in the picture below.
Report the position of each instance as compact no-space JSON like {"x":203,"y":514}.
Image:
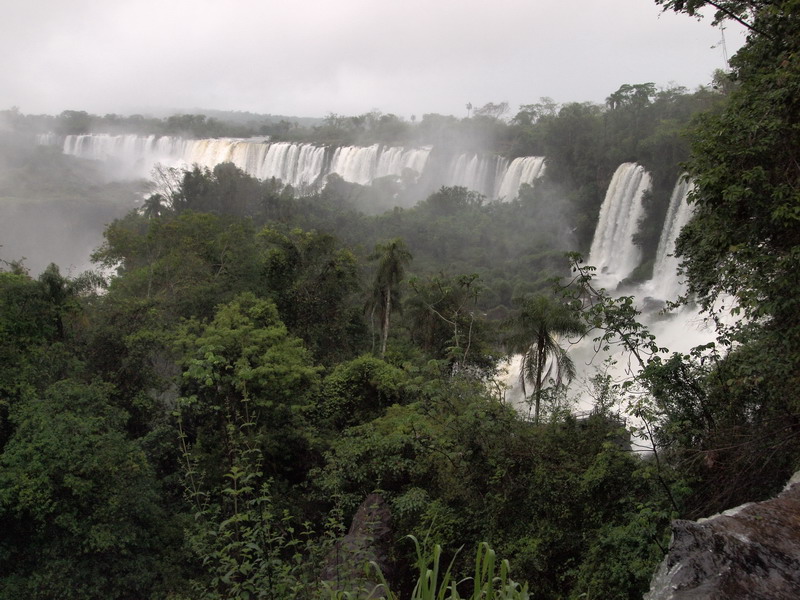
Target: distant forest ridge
{"x":584,"y":143}
{"x":243,"y":117}
{"x":493,"y":127}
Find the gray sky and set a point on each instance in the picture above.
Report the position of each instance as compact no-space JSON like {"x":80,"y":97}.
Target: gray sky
{"x":312,"y":57}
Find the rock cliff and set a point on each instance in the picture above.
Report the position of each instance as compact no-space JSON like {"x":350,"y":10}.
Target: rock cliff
{"x":368,"y":540}
{"x":752,"y":552}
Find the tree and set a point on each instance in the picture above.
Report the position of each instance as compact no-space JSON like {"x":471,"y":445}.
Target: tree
{"x":742,"y":248}
{"x":741,"y":11}
{"x":744,"y":237}
{"x":243,"y":370}
{"x":154,"y":206}
{"x":315,"y":285}
{"x":530,"y":114}
{"x":448,"y":201}
{"x":190,"y":263}
{"x":78,"y":501}
{"x":492,"y":110}
{"x":635,"y":95}
{"x":445,"y":321}
{"x":392,"y":259}
{"x":534,"y":334}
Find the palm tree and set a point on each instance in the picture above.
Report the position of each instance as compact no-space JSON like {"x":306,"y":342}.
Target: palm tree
{"x":392,"y":259}
{"x":534,"y":334}
{"x":154,"y":206}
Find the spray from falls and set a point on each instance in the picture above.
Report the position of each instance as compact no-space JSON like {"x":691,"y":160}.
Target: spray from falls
{"x":615,"y":256}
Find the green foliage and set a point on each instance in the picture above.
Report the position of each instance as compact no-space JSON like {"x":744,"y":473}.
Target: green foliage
{"x":742,"y":11}
{"x":743,"y":238}
{"x":79,"y":502}
{"x":230,"y":293}
{"x":740,"y":255}
{"x":358,"y":391}
{"x":39,"y":321}
{"x":534,"y":333}
{"x":248,"y":548}
{"x":187,"y":264}
{"x":620,"y":563}
{"x":392,"y":257}
{"x":316,"y":286}
{"x":488,"y":581}
{"x":450,"y":201}
{"x":244,"y":369}
{"x":445,"y":321}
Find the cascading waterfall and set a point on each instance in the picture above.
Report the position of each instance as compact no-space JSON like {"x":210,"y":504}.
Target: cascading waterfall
{"x":666,"y":284}
{"x":300,"y":165}
{"x":521,"y":170}
{"x":305,"y":166}
{"x":356,"y":164}
{"x":476,"y":172}
{"x":613,"y":251}
{"x":615,"y":256}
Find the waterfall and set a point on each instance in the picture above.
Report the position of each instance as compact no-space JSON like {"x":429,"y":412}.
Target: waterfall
{"x":613,"y":251}
{"x":666,"y":284}
{"x":521,"y":170}
{"x":134,"y":153}
{"x":304,"y":165}
{"x":475,"y":172}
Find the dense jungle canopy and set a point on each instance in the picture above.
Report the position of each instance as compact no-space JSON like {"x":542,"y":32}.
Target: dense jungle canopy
{"x":202,"y":417}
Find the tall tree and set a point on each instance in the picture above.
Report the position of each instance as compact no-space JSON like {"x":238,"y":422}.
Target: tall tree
{"x":534,"y":333}
{"x":742,"y":247}
{"x":392,"y":257}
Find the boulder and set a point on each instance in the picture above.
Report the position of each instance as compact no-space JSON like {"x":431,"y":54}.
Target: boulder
{"x":752,"y":552}
{"x":368,"y":540}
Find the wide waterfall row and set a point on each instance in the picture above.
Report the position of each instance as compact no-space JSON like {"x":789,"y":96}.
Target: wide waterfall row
{"x":613,"y":251}
{"x":305,"y":166}
{"x":299,"y":165}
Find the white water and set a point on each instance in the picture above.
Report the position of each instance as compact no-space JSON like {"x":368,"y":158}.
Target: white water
{"x":678,"y":331}
{"x":299,"y":165}
{"x":613,"y":252}
{"x":666,"y":284}
{"x":304,"y":166}
{"x":475,"y":172}
{"x":521,"y":170}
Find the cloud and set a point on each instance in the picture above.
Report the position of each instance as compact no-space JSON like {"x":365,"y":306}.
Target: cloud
{"x":311,"y":57}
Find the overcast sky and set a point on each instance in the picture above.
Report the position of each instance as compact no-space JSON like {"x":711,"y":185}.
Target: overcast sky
{"x":313,"y":57}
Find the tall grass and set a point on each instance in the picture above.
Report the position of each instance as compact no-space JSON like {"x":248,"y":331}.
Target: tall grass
{"x":433,"y":583}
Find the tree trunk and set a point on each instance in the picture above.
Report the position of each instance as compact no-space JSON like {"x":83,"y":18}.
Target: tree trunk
{"x":385,"y":328}
{"x":540,"y":359}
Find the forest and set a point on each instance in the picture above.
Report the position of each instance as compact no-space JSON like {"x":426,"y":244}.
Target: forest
{"x":202,"y":415}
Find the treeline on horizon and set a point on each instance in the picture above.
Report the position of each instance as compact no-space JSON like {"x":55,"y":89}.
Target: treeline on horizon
{"x":489,"y":128}
{"x":205,"y":422}
{"x":583,"y":144}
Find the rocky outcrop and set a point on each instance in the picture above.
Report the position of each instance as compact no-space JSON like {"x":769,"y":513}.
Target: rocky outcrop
{"x":751,"y":552}
{"x":368,"y":540}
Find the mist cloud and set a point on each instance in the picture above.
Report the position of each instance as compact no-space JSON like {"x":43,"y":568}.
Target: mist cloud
{"x":312,"y":57}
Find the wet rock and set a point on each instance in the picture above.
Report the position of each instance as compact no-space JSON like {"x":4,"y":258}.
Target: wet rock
{"x":752,"y":552}
{"x":368,"y":540}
